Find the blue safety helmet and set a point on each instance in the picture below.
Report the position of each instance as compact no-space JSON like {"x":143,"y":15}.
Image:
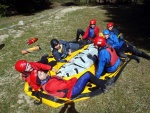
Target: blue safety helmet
{"x":106,"y":32}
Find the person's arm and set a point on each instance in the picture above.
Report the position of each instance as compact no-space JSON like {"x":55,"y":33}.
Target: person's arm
{"x":115,"y":41}
{"x":42,"y":66}
{"x":101,"y":63}
{"x":86,"y":33}
{"x":58,"y":57}
{"x":116,"y":31}
{"x":96,"y":31}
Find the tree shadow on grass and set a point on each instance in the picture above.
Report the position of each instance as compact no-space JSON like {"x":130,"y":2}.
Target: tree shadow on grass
{"x":69,"y":4}
{"x":1,"y":46}
{"x":69,"y":107}
{"x":132,"y":21}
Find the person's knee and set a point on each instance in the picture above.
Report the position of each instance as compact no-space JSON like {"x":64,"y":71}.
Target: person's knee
{"x":121,"y":54}
{"x":87,"y":74}
{"x":79,"y":30}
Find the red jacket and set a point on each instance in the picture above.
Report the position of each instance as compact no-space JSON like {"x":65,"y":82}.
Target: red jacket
{"x":36,"y":66}
{"x":96,"y":32}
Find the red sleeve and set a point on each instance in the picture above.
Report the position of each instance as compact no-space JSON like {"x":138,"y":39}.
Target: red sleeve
{"x":96,"y":31}
{"x":32,"y":84}
{"x":40,"y":66}
{"x":86,"y":33}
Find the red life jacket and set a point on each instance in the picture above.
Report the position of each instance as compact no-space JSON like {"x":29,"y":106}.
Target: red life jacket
{"x":113,"y":54}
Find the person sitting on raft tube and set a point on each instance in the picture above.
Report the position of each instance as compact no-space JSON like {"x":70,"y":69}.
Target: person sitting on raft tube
{"x":91,"y":32}
{"x":107,"y":58}
{"x":114,"y":30}
{"x":122,"y":46}
{"x":26,"y":68}
{"x":56,"y":86}
{"x":61,"y":49}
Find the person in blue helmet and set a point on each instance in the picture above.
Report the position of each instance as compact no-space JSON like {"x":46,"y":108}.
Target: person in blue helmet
{"x":112,"y":39}
{"x":112,"y":29}
{"x":61,"y":49}
{"x":122,"y":46}
{"x":108,"y":60}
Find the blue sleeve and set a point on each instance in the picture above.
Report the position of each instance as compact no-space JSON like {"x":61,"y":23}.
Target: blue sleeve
{"x":57,"y":57}
{"x":115,"y":42}
{"x":103,"y":57}
{"x":116,"y":31}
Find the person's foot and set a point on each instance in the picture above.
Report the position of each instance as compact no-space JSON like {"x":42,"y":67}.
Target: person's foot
{"x":136,"y":58}
{"x":105,"y":90}
{"x":144,"y":55}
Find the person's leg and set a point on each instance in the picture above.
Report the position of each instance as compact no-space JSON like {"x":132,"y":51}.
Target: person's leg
{"x":134,"y":57}
{"x":137,"y":52}
{"x":97,"y":82}
{"x":44,"y":59}
{"x":125,"y":48}
{"x":80,"y":84}
{"x":81,"y":44}
{"x":79,"y":32}
{"x":121,"y":52}
{"x":74,"y":46}
{"x":83,"y":80}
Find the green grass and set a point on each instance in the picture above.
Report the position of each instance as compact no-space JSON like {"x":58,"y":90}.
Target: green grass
{"x":129,"y":95}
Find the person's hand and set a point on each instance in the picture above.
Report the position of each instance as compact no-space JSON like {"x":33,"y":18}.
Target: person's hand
{"x":54,"y":70}
{"x":69,"y":61}
{"x":69,"y":53}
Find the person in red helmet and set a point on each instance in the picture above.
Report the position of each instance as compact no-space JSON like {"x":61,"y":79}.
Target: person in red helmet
{"x":107,"y":57}
{"x":56,"y":86}
{"x":26,"y":67}
{"x":91,"y":32}
{"x":124,"y":46}
{"x":113,"y":30}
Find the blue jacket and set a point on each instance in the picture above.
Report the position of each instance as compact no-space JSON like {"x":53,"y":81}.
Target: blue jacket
{"x":114,"y":41}
{"x":114,"y":31}
{"x":59,"y":56}
{"x":104,"y":58}
{"x":117,"y":32}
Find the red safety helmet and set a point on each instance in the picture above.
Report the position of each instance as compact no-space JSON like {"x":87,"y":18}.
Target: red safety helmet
{"x":93,"y":21}
{"x":110,"y":24}
{"x":100,"y":41}
{"x":21,"y":65}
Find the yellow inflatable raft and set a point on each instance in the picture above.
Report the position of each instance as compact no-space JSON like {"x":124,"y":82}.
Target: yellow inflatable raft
{"x":82,"y":61}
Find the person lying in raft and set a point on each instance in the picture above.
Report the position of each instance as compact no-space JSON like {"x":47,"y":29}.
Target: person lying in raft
{"x":107,"y":58}
{"x":91,"y":32}
{"x":121,"y":46}
{"x":61,"y":49}
{"x":56,"y":86}
{"x":25,"y":67}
